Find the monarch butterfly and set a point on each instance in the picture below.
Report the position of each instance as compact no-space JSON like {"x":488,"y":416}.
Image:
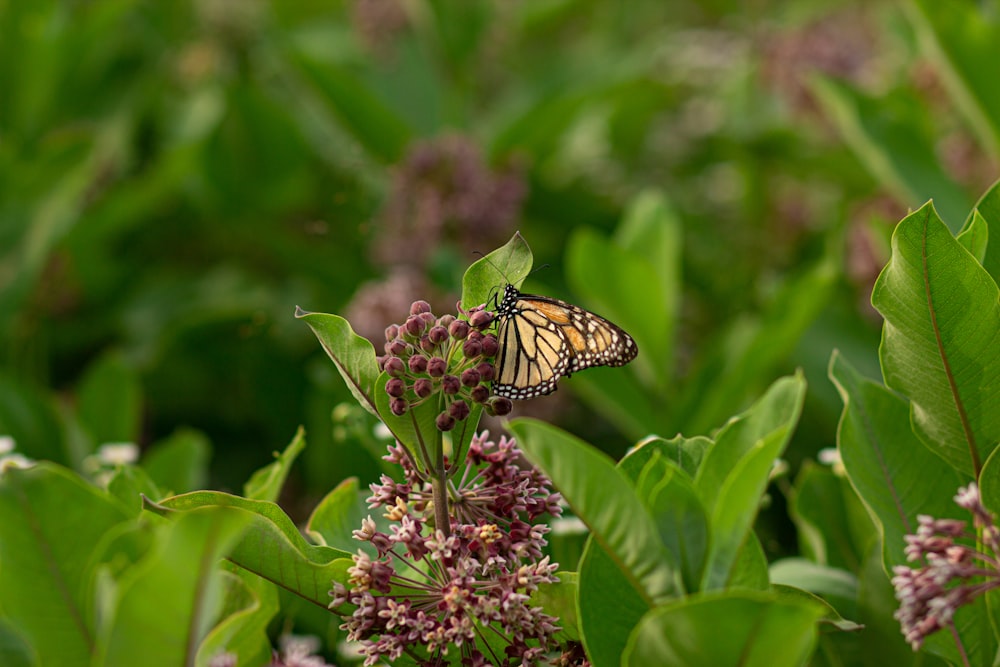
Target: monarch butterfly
{"x":543,"y":339}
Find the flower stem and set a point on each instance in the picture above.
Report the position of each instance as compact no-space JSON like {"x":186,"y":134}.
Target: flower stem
{"x":439,"y":487}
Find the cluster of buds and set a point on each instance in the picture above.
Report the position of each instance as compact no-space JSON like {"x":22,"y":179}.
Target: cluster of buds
{"x":955,"y":572}
{"x":421,"y":591}
{"x":435,"y":358}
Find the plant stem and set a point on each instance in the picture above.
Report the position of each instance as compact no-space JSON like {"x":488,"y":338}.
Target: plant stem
{"x":439,"y":487}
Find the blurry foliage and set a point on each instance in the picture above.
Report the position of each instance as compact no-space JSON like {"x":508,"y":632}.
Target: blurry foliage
{"x":176,"y":177}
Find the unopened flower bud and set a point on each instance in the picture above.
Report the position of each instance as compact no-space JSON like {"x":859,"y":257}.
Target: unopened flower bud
{"x":398,"y":406}
{"x":445,"y":321}
{"x":426,"y":344}
{"x":450,"y":384}
{"x":472,"y":348}
{"x":417,"y":363}
{"x":438,"y":334}
{"x":501,"y":405}
{"x":423,"y":387}
{"x":397,"y":347}
{"x":480,"y":394}
{"x":414,"y":326}
{"x":490,"y":346}
{"x":394,"y":366}
{"x":395,"y":387}
{"x":486,"y":370}
{"x":445,"y":422}
{"x":459,"y":329}
{"x":419,"y":307}
{"x":459,"y":409}
{"x":436,"y":367}
{"x":480,"y":319}
{"x":470,"y":377}
{"x":391,"y":331}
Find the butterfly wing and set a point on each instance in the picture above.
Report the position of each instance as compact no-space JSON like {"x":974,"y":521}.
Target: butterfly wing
{"x":542,"y":339}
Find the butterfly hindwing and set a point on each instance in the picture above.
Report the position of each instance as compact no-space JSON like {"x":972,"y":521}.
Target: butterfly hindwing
{"x":543,"y":339}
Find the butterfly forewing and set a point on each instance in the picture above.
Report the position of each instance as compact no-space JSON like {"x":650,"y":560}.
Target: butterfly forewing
{"x":543,"y":339}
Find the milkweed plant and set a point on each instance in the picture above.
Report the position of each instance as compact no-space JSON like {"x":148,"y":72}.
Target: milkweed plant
{"x":525,"y":545}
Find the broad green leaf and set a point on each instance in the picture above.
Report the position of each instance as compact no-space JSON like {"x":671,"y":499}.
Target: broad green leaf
{"x":110,"y":400}
{"x":14,"y":651}
{"x":975,"y":237}
{"x":181,"y":574}
{"x":669,"y":494}
{"x":601,"y":496}
{"x":266,"y":483}
{"x":941,"y":340}
{"x":831,"y":617}
{"x":510,"y":263}
{"x":272,"y":546}
{"x":179,"y":463}
{"x":837,"y":587}
{"x":27,"y":414}
{"x":738,"y":628}
{"x":250,"y":604}
{"x":888,"y":135}
{"x":734,"y":474}
{"x":609,"y":607}
{"x":823,"y":507}
{"x":896,"y":476}
{"x":370,"y":121}
{"x":353,"y":355}
{"x":560,"y":600}
{"x":338,"y":515}
{"x":989,"y":208}
{"x":749,"y":571}
{"x":53,"y":523}
{"x":959,"y":38}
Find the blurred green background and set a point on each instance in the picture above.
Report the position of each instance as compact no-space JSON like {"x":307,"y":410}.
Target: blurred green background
{"x":175,"y":177}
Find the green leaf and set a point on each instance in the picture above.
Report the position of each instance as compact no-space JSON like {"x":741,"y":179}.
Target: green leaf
{"x":14,"y":651}
{"x":110,"y":400}
{"x":337,"y":516}
{"x":129,"y":483}
{"x":417,"y":428}
{"x":941,"y":340}
{"x":250,"y":604}
{"x":179,"y":463}
{"x":895,"y":475}
{"x":989,"y":208}
{"x":53,"y":523}
{"x":181,"y":574}
{"x":734,"y":474}
{"x":837,"y":587}
{"x":559,"y":600}
{"x":823,"y":507}
{"x":601,"y":496}
{"x":266,"y":483}
{"x":353,"y":355}
{"x":510,"y":263}
{"x":737,"y":628}
{"x":831,"y":617}
{"x":898,"y":478}
{"x":609,"y":607}
{"x":272,"y":546}
{"x":974,"y":237}
{"x":888,"y":134}
{"x":750,"y":569}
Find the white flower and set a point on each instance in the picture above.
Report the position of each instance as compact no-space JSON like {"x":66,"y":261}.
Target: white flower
{"x":7,"y":444}
{"x":118,"y":453}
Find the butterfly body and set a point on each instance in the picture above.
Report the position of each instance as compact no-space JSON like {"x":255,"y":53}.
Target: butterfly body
{"x":543,"y":339}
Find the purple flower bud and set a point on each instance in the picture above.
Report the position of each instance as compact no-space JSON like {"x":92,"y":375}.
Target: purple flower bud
{"x":501,"y":406}
{"x":459,"y":329}
{"x":459,"y":409}
{"x":423,"y":387}
{"x":391,"y":331}
{"x":394,"y":366}
{"x":426,"y":344}
{"x":395,"y":387}
{"x":398,"y":406}
{"x":479,"y":394}
{"x":445,"y":422}
{"x":417,"y":363}
{"x":438,"y":335}
{"x":486,"y":369}
{"x":428,"y":319}
{"x":414,"y":326}
{"x":420,"y":307}
{"x":397,"y":347}
{"x":470,"y":377}
{"x":490,"y":346}
{"x":472,"y":348}
{"x":450,"y":384}
{"x":445,"y":321}
{"x":476,"y":336}
{"x":480,"y":319}
{"x":436,"y":367}
{"x":380,"y":360}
